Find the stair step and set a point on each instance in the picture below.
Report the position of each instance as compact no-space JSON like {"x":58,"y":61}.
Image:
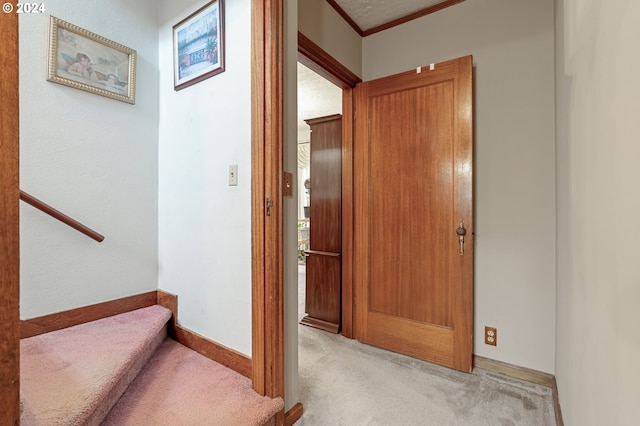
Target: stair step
{"x":179,"y":386}
{"x":76,"y":375}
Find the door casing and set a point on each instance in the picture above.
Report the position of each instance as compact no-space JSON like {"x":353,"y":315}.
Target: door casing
{"x":9,"y":224}
{"x":315,"y":58}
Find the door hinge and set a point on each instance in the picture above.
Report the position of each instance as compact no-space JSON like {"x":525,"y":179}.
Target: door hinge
{"x":268,"y":205}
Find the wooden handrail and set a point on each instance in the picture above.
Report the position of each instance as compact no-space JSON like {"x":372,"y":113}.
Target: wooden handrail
{"x":30,"y":199}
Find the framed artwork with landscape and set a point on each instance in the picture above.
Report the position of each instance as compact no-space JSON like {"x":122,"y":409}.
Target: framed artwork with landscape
{"x":198,"y":45}
{"x":87,"y":61}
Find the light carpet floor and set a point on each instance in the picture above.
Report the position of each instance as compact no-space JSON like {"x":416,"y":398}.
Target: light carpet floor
{"x":345,"y":382}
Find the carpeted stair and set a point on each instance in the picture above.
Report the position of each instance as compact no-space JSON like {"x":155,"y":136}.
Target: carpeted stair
{"x":123,"y":370}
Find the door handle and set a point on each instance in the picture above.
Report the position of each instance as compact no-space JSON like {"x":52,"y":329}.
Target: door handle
{"x":461,"y":231}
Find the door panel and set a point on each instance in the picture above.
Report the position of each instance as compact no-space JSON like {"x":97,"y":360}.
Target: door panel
{"x":326,"y":183}
{"x":413,"y":187}
{"x":322,"y":299}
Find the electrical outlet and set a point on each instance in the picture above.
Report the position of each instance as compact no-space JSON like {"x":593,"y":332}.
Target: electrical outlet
{"x":490,"y":336}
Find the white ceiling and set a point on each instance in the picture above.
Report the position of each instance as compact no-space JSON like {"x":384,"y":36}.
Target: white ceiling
{"x":369,"y":14}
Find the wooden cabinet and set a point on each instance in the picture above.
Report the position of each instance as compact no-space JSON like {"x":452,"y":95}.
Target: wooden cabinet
{"x":324,"y":264}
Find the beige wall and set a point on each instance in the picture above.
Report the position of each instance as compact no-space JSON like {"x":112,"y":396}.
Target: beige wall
{"x":291,"y":389}
{"x":512,"y":45}
{"x":326,"y":28}
{"x":598,"y":159}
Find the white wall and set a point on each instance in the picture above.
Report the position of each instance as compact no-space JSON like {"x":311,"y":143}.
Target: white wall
{"x":205,"y":224}
{"x":93,"y":158}
{"x":325,"y":27}
{"x":598,"y":169}
{"x":512,"y":45}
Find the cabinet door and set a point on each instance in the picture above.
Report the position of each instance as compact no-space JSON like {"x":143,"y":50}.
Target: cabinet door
{"x":326,"y":184}
{"x":322,"y":302}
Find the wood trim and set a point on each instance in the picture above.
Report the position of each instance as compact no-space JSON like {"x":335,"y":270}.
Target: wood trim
{"x":317,"y":120}
{"x":321,"y":253}
{"x":194,"y":341}
{"x":360,"y":274}
{"x":321,"y":324}
{"x":526,"y":374}
{"x":348,"y":299}
{"x":60,"y":320}
{"x":57,"y":214}
{"x":514,"y":371}
{"x":294,"y":414}
{"x":315,"y":58}
{"x":411,"y":17}
{"x":325,"y":65}
{"x":214,"y":351}
{"x":9,"y":224}
{"x":273,"y":229}
{"x":169,"y":301}
{"x":267,"y":170}
{"x":346,"y":17}
{"x":258,"y":122}
{"x":395,"y":22}
{"x":556,"y":404}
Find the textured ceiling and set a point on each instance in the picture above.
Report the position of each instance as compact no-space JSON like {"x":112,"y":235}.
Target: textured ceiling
{"x":369,"y":14}
{"x":317,"y":97}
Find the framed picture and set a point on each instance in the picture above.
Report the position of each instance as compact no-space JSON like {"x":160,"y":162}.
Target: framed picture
{"x":198,"y":45}
{"x":83,"y":60}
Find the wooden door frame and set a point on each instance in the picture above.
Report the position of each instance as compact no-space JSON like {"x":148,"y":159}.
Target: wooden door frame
{"x":315,"y":58}
{"x":267,"y":60}
{"x":9,"y":224}
{"x":267,"y":165}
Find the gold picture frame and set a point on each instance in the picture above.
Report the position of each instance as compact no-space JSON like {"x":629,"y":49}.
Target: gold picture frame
{"x":87,"y":61}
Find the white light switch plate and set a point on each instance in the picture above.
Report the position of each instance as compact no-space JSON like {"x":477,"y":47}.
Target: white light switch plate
{"x":233,"y":175}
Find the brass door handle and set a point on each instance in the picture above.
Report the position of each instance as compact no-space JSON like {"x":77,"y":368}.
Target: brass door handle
{"x":461,"y":231}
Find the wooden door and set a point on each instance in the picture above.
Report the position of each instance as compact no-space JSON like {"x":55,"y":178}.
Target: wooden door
{"x":413,"y":189}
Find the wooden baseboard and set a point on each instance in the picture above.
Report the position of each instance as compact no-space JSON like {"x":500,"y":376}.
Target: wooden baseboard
{"x":293,"y":415}
{"x":219,"y":353}
{"x":194,"y":341}
{"x":526,"y":374}
{"x":556,"y":404}
{"x":514,"y":371}
{"x":65,"y":319}
{"x":214,"y":351}
{"x":169,"y":301}
{"x":321,"y":324}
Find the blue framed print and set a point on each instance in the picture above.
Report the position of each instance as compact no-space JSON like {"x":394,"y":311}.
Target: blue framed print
{"x":198,"y":45}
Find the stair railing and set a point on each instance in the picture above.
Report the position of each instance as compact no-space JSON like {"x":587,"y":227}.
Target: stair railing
{"x":30,"y":199}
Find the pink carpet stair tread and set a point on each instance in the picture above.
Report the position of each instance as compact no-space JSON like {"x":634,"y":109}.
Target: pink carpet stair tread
{"x":123,"y":370}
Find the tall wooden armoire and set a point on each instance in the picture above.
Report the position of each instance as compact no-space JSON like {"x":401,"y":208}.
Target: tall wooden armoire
{"x":323,"y":259}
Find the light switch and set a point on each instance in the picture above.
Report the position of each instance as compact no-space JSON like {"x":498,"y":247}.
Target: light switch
{"x":233,"y":175}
